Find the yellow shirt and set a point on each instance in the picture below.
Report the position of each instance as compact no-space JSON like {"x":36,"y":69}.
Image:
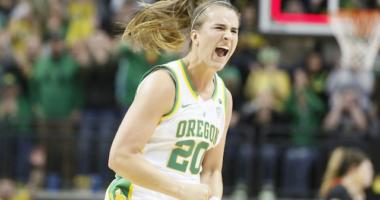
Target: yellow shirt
{"x":274,"y":82}
{"x":82,"y":19}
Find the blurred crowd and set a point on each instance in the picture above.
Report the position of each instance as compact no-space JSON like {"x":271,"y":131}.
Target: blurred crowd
{"x":67,"y":79}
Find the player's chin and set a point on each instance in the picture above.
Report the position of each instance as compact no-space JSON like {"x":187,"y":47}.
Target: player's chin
{"x":218,"y":66}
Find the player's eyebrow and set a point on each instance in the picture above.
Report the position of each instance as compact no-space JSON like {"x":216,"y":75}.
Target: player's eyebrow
{"x":224,"y":26}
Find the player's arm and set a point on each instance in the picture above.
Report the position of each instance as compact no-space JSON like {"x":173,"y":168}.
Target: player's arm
{"x":154,"y":97}
{"x":212,"y":164}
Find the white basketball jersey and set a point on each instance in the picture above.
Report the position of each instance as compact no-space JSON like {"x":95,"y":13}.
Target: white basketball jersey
{"x":183,"y":136}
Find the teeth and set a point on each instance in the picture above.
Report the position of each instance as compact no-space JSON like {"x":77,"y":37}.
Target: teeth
{"x":225,"y":48}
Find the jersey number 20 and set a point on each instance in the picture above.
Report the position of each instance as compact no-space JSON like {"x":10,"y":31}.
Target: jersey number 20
{"x":187,"y":152}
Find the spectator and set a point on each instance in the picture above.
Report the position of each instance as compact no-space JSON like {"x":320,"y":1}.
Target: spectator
{"x":56,"y":21}
{"x":16,"y":128}
{"x":305,"y":109}
{"x":233,"y":80}
{"x":238,"y":159}
{"x":267,"y":87}
{"x":22,"y":25}
{"x":37,"y":159}
{"x":131,"y":67}
{"x":349,"y":172}
{"x":57,"y":97}
{"x":317,"y":74}
{"x":266,"y":90}
{"x":82,"y":22}
{"x":99,"y":116}
{"x":248,"y":14}
{"x":349,"y":90}
{"x":7,"y":189}
{"x":26,"y":60}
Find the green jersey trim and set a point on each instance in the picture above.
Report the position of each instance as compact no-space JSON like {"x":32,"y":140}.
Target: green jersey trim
{"x":190,"y":84}
{"x":177,"y":98}
{"x":216,"y":90}
{"x":120,"y":189}
{"x":188,"y":81}
{"x":225,"y":99}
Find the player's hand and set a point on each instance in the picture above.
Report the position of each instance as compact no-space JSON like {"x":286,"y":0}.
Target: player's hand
{"x":195,"y":192}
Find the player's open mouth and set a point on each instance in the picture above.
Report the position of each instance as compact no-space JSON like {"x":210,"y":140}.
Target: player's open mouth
{"x":221,"y":51}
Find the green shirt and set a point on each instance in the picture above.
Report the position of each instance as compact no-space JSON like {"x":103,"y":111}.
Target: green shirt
{"x":21,"y":121}
{"x":55,"y":87}
{"x":306,"y":113}
{"x":131,"y":68}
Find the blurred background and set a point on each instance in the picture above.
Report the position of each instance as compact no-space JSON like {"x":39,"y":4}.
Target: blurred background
{"x":67,"y":79}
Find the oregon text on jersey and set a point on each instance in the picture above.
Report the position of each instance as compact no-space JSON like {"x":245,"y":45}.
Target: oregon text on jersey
{"x":198,"y":129}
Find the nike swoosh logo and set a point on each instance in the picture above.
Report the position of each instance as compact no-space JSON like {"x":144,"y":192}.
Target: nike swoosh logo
{"x":185,"y":105}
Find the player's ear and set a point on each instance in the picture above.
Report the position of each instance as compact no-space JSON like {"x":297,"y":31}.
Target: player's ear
{"x":194,"y":37}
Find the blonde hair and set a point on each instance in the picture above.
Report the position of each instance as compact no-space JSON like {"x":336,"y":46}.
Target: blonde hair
{"x":340,"y":162}
{"x":159,"y":26}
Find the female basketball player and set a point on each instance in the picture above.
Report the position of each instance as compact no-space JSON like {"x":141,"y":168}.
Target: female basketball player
{"x":349,"y":172}
{"x":170,"y":144}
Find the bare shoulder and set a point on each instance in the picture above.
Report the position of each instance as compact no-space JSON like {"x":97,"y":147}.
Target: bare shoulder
{"x":159,"y":80}
{"x":158,"y":90}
